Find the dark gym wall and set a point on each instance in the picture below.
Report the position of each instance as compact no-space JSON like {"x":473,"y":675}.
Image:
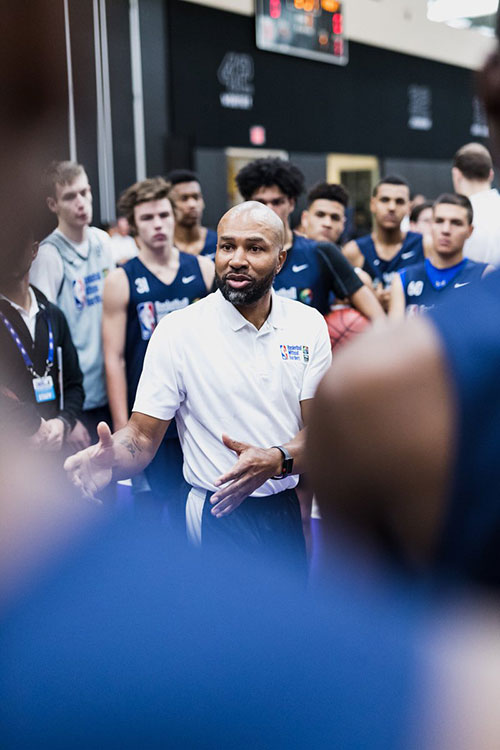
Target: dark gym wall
{"x":155,"y":74}
{"x":308,"y":106}
{"x":84,"y":84}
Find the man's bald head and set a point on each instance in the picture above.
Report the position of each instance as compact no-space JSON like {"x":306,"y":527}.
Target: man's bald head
{"x":253,"y":213}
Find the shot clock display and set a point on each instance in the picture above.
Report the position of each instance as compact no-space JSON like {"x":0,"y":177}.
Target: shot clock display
{"x":306,"y":28}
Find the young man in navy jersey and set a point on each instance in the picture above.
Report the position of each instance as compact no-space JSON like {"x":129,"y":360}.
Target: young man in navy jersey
{"x":423,"y":286}
{"x":161,"y":279}
{"x":312,"y":270}
{"x":324,"y":218}
{"x":387,"y":249}
{"x":187,"y":200}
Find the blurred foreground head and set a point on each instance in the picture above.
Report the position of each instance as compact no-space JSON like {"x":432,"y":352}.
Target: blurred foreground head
{"x":32,"y":104}
{"x":33,"y":108}
{"x":488,"y":82}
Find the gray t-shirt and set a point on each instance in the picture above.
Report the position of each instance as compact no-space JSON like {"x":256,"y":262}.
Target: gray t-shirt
{"x":72,"y":276}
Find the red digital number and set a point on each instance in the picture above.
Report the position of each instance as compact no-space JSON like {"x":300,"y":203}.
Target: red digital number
{"x":275,"y":8}
{"x":337,"y":25}
{"x":338,"y":48}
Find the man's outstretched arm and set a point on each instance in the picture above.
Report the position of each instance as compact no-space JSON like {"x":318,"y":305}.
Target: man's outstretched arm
{"x":118,"y":456}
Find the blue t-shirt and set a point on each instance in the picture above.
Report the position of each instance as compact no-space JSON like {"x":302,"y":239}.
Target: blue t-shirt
{"x":312,"y":271}
{"x":411,"y":251}
{"x":210,"y":245}
{"x":132,"y":640}
{"x":426,"y":286}
{"x":150,"y":300}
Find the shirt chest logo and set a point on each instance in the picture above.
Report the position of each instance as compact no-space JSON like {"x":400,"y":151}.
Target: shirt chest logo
{"x":295,"y":352}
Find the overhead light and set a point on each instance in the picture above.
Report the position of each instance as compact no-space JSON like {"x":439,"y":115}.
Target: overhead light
{"x":448,"y":10}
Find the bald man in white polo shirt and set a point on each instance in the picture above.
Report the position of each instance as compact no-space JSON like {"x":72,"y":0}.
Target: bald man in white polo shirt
{"x":237,"y":370}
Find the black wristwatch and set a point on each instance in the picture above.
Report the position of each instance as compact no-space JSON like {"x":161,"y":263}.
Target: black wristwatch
{"x":287,"y":465}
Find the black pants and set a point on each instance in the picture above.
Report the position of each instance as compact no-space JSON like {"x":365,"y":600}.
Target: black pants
{"x":268,"y":528}
{"x":168,"y":486}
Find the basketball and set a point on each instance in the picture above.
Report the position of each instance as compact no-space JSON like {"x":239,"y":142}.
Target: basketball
{"x":344,"y":323}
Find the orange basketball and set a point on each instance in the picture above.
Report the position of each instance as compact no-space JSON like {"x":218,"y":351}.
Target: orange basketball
{"x":343,"y":323}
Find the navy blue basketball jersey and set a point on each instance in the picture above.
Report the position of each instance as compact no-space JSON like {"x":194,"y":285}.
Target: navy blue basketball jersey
{"x":426,"y":286}
{"x":210,"y":245}
{"x":412,"y":251}
{"x":150,"y":300}
{"x":468,"y":329}
{"x":313,"y":271}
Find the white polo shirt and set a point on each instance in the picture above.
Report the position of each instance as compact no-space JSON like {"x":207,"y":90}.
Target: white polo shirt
{"x":484,"y":243}
{"x":216,"y":373}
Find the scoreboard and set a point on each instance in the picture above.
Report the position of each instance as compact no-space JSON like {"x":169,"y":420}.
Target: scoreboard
{"x":306,"y":28}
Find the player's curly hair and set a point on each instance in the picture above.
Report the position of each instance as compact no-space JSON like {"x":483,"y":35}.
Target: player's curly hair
{"x":152,"y":189}
{"x":269,"y":172}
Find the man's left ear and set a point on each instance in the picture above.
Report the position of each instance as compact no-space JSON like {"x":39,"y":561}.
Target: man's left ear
{"x":281,"y":259}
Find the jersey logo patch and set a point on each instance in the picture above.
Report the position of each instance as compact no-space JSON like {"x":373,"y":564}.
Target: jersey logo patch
{"x":147,"y":319}
{"x":188,"y":279}
{"x":306,"y":296}
{"x":141,"y":284}
{"x":295,"y":352}
{"x":410,"y":254}
{"x":463,"y":283}
{"x":79,"y":293}
{"x":298,"y":269}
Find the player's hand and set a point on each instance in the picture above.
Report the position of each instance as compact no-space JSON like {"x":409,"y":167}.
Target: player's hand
{"x":91,"y":469}
{"x":253,"y":467}
{"x":38,"y":441}
{"x":78,"y":438}
{"x":383,"y":295}
{"x":55,"y":437}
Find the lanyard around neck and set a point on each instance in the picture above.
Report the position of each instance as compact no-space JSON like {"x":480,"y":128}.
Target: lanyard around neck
{"x":26,"y":357}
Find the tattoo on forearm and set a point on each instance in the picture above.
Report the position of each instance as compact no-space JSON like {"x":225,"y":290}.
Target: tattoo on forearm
{"x":131,"y":445}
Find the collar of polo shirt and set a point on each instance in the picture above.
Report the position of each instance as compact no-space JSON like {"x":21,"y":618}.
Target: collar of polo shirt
{"x":236,"y":319}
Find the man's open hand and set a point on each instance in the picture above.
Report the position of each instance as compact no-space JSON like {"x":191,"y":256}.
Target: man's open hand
{"x":91,"y":469}
{"x":253,"y":467}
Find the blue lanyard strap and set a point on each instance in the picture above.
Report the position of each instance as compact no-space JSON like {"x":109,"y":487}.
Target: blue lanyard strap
{"x":26,"y":357}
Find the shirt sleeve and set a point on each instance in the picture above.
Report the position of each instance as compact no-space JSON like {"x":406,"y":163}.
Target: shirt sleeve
{"x":320,"y":361}
{"x":47,"y":272}
{"x":159,"y":391}
{"x":343,"y":278}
